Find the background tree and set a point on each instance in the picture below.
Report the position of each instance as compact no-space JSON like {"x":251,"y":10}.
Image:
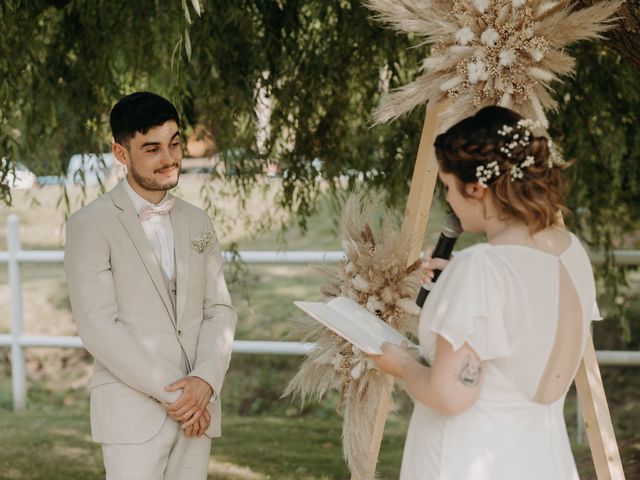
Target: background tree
{"x":316,"y":69}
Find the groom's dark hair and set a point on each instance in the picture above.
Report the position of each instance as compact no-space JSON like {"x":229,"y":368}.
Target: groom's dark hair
{"x":139,"y":112}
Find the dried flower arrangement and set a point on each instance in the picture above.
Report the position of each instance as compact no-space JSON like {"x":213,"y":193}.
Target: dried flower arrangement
{"x":373,"y":273}
{"x":489,"y":52}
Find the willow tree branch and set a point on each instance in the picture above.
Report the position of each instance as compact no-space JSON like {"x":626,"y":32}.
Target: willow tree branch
{"x":625,"y":38}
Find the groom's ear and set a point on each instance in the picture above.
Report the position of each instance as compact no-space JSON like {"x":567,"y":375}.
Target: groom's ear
{"x":121,"y":153}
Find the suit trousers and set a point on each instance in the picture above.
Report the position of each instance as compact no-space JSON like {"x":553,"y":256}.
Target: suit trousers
{"x":169,"y":455}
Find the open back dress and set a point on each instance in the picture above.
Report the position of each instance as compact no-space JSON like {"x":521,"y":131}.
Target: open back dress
{"x":527,"y":315}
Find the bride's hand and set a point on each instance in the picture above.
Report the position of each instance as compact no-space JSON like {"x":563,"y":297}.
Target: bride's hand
{"x":429,"y":264}
{"x":394,"y":359}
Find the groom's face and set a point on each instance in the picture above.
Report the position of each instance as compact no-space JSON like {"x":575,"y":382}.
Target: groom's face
{"x":153,"y":159}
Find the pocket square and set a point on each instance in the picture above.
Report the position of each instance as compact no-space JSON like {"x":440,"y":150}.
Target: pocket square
{"x":201,"y":243}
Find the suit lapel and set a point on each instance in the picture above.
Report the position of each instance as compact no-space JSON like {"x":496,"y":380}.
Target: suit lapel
{"x":131,"y":223}
{"x":181,"y":236}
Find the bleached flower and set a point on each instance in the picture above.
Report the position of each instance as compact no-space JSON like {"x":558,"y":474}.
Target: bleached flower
{"x":489,"y":37}
{"x":518,"y":3}
{"x":477,"y":71}
{"x":536,"y":54}
{"x":349,"y":267}
{"x":507,"y":57}
{"x":388,"y":295}
{"x":357,"y":370}
{"x":481,"y":5}
{"x":374,"y":304}
{"x":360,"y":284}
{"x":464,"y":36}
{"x":336,"y":361}
{"x":408,"y":305}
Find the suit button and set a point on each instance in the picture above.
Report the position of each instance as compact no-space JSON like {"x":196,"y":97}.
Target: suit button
{"x":179,"y":332}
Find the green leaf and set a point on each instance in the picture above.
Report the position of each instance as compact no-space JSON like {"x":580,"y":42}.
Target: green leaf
{"x":196,"y":7}
{"x":176,"y":51}
{"x":186,"y":12}
{"x":187,"y":44}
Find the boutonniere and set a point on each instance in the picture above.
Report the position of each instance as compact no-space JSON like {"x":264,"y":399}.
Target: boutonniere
{"x":201,"y":243}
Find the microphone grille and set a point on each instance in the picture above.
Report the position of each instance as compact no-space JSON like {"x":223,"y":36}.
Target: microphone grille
{"x":451,"y":226}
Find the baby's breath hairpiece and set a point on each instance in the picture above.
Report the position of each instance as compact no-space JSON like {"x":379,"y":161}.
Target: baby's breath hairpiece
{"x":520,"y":135}
{"x":516,"y":170}
{"x":555,"y":155}
{"x":484,"y":173}
{"x":516,"y":136}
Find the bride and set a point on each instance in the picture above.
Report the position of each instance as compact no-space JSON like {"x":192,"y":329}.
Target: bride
{"x":505,"y":326}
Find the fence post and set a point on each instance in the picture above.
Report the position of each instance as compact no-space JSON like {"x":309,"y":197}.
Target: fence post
{"x":18,"y":367}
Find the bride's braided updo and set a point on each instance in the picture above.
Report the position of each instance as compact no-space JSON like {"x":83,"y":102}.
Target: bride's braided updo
{"x":525,"y":182}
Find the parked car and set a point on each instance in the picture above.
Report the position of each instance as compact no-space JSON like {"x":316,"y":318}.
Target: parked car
{"x":19,"y":176}
{"x":51,"y":179}
{"x":93,"y":168}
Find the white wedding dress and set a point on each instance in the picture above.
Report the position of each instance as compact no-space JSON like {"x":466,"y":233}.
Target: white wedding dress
{"x":527,"y":314}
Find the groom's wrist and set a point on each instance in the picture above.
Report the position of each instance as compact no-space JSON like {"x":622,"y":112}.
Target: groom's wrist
{"x":214,"y":394}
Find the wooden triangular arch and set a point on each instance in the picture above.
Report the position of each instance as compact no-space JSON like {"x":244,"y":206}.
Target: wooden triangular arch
{"x":602,"y":440}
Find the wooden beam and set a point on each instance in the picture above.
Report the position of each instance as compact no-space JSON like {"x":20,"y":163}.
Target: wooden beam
{"x":597,"y":420}
{"x":423,"y":182}
{"x":416,"y":217}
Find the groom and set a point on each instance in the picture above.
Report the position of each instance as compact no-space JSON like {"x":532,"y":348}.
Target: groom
{"x":151,"y":304}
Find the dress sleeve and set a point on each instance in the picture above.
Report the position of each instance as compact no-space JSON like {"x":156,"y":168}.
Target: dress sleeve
{"x":466,"y":305}
{"x":595,"y":312}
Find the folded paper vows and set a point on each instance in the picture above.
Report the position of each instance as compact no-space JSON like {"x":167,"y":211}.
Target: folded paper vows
{"x":355,"y":324}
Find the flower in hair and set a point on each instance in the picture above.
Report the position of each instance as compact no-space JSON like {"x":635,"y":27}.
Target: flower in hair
{"x":484,"y":173}
{"x":517,"y":170}
{"x":555,"y":156}
{"x":520,"y":135}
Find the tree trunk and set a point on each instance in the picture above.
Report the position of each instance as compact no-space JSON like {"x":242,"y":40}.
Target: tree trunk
{"x":625,"y":38}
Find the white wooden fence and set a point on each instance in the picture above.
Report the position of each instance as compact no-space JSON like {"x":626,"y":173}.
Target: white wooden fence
{"x":18,"y":341}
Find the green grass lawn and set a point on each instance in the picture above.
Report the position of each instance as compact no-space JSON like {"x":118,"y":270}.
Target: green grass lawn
{"x":51,"y":441}
{"x":274,"y":440}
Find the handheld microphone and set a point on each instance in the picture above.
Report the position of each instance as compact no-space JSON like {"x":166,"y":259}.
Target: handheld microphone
{"x":451,"y":229}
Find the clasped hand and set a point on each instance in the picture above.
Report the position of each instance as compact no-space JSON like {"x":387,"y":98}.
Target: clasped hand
{"x":191,"y":409}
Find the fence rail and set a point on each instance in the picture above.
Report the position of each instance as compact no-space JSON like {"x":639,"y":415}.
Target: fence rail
{"x":18,"y":341}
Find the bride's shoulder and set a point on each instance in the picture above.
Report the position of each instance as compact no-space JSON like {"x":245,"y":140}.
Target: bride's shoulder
{"x":476,"y":256}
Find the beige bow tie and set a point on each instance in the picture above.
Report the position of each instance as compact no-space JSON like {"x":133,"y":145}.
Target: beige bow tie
{"x":149,"y":211}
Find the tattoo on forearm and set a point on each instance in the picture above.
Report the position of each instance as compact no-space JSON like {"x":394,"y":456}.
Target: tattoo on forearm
{"x":469,"y":374}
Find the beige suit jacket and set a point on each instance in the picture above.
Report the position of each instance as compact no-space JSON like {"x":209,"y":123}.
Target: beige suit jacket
{"x":127,"y":321}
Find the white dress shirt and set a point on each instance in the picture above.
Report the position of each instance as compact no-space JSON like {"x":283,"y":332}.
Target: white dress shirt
{"x":159,"y":232}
